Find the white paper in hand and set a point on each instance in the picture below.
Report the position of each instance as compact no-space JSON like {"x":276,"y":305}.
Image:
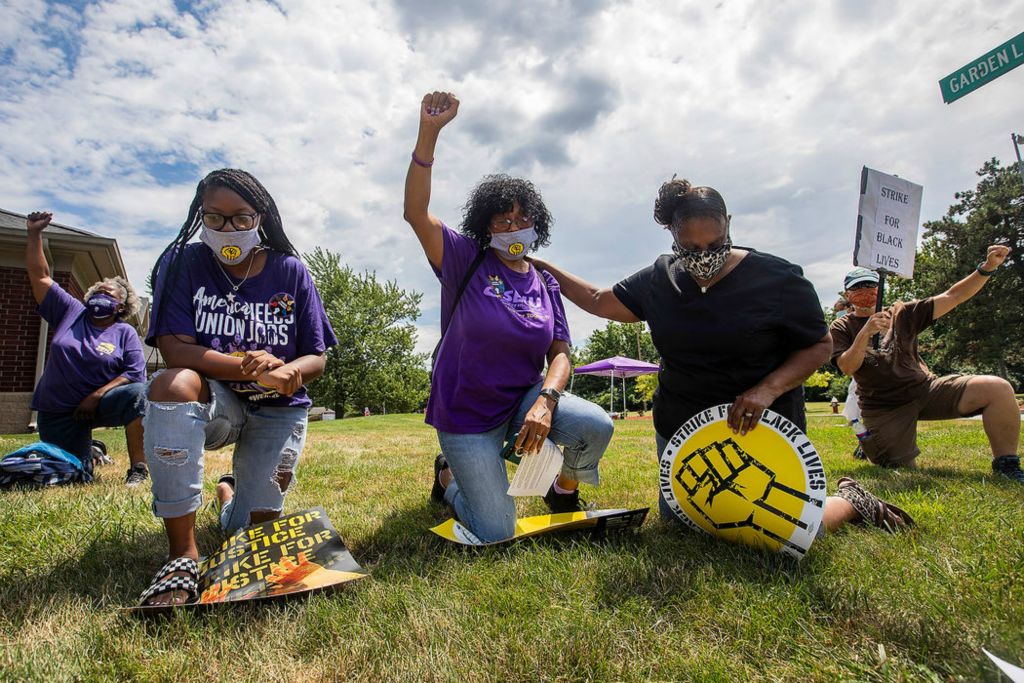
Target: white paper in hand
{"x":536,"y":471}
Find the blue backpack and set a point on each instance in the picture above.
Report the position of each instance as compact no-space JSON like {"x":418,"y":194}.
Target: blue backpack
{"x":41,"y":464}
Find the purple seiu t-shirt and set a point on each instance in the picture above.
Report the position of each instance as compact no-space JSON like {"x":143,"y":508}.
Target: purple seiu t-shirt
{"x":496,"y":342}
{"x":82,"y":356}
{"x":278,"y":311}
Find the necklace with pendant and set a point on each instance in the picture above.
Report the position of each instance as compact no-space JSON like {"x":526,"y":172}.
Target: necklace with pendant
{"x":248,"y":270}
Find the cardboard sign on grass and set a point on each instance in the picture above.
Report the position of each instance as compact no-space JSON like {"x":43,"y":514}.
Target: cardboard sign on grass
{"x":764,"y":489}
{"x":592,"y":520}
{"x":296,"y":553}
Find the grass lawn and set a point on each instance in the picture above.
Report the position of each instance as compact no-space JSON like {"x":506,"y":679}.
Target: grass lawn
{"x":661,"y":604}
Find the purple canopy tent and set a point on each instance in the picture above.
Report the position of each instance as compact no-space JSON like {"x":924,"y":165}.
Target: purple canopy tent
{"x":617,"y":366}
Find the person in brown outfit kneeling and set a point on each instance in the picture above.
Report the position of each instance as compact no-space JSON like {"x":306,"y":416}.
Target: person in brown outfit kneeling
{"x":896,"y":388}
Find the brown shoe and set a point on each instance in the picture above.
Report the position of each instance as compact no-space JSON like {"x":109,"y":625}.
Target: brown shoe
{"x":872,"y":509}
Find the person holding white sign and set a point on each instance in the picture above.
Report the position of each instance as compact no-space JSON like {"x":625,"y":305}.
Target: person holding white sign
{"x":851,"y":411}
{"x":896,"y":388}
{"x":732,"y":325}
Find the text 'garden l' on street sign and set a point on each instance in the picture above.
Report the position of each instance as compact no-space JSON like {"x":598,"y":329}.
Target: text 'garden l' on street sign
{"x":988,"y":67}
{"x":887,"y":219}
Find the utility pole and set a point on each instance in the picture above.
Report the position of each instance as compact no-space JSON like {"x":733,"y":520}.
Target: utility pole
{"x":1018,"y":140}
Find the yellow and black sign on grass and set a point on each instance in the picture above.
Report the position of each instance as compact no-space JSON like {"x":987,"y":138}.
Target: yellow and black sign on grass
{"x":764,"y":489}
{"x":596,"y":521}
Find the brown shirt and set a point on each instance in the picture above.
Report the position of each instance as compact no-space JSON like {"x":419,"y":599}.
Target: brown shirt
{"x":894,"y":374}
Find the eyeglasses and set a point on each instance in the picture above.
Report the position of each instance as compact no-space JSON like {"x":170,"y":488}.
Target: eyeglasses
{"x":505,"y":224}
{"x":862,"y":285}
{"x":240,"y":221}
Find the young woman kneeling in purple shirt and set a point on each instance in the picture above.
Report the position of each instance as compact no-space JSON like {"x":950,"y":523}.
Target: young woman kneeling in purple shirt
{"x":242,"y":329}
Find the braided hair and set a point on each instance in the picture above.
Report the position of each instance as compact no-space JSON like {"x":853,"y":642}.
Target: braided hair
{"x":245,"y":185}
{"x":496,"y":194}
{"x":678,"y":201}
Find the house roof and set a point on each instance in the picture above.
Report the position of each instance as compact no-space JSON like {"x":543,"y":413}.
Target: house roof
{"x":94,"y":257}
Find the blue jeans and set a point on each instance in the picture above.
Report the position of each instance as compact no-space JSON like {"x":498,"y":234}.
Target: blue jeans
{"x":477,"y":492}
{"x":118,"y":407}
{"x":268,"y":441}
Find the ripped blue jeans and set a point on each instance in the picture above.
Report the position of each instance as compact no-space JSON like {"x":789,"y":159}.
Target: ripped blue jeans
{"x":268,"y":441}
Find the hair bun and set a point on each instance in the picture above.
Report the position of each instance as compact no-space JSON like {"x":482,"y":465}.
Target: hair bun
{"x":678,"y":200}
{"x":669,"y":195}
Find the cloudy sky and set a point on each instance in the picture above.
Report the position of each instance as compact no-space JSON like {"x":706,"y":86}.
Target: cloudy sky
{"x":110,"y":112}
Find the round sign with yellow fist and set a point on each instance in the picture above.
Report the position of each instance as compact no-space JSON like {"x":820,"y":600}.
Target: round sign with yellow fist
{"x":765,"y":488}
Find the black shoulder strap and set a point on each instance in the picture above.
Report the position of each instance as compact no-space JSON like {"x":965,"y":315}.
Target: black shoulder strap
{"x":458,"y":295}
{"x":544,"y":280}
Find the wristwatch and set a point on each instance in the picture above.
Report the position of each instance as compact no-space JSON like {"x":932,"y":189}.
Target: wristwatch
{"x":983,"y":272}
{"x":553,"y":394}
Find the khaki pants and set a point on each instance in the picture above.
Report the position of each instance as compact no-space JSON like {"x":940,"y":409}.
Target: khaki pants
{"x":892,"y":438}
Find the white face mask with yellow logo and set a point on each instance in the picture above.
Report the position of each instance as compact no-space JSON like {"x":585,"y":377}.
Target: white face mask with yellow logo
{"x":232,"y":246}
{"x":513,"y":245}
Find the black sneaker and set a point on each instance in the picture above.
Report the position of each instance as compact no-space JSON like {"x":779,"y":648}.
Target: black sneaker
{"x":137,"y":474}
{"x":1008,"y":466}
{"x":564,"y":502}
{"x":437,"y":491}
{"x":858,"y":453}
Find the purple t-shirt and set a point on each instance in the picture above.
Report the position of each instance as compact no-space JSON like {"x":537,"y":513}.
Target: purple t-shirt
{"x":83,"y":357}
{"x":497,"y":340}
{"x":278,"y":311}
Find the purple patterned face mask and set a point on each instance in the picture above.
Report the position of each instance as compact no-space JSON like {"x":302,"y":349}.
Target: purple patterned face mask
{"x":703,"y":264}
{"x":102,"y":305}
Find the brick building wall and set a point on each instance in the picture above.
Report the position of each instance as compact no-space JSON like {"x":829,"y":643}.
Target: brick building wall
{"x":19,"y":327}
{"x":19,"y":341}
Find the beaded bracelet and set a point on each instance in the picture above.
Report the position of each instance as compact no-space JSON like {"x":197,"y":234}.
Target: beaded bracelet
{"x":419,"y":162}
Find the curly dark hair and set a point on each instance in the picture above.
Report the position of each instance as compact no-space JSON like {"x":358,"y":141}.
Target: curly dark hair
{"x":495,"y":194}
{"x":678,"y":200}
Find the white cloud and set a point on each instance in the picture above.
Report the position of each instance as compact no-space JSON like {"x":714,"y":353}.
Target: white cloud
{"x":777,"y":105}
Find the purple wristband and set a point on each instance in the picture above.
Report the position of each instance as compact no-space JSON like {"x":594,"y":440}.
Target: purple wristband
{"x":419,"y":162}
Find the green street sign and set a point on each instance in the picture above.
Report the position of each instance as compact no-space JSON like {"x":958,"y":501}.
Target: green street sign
{"x":988,"y":67}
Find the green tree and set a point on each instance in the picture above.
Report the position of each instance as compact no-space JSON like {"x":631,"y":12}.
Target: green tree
{"x":816,"y":386}
{"x":374,"y":364}
{"x":629,"y":340}
{"x":983,"y":335}
{"x":646,"y":385}
{"x":839,"y":385}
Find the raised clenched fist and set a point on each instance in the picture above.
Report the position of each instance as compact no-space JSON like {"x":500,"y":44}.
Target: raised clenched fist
{"x":38,"y":220}
{"x":437,"y":109}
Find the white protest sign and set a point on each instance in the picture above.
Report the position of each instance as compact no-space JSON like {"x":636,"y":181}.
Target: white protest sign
{"x":1014,"y":673}
{"x":536,"y":472}
{"x":887,"y":220}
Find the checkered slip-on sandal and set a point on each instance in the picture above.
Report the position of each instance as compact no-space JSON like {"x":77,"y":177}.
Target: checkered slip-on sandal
{"x":872,"y":509}
{"x":164,"y":583}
